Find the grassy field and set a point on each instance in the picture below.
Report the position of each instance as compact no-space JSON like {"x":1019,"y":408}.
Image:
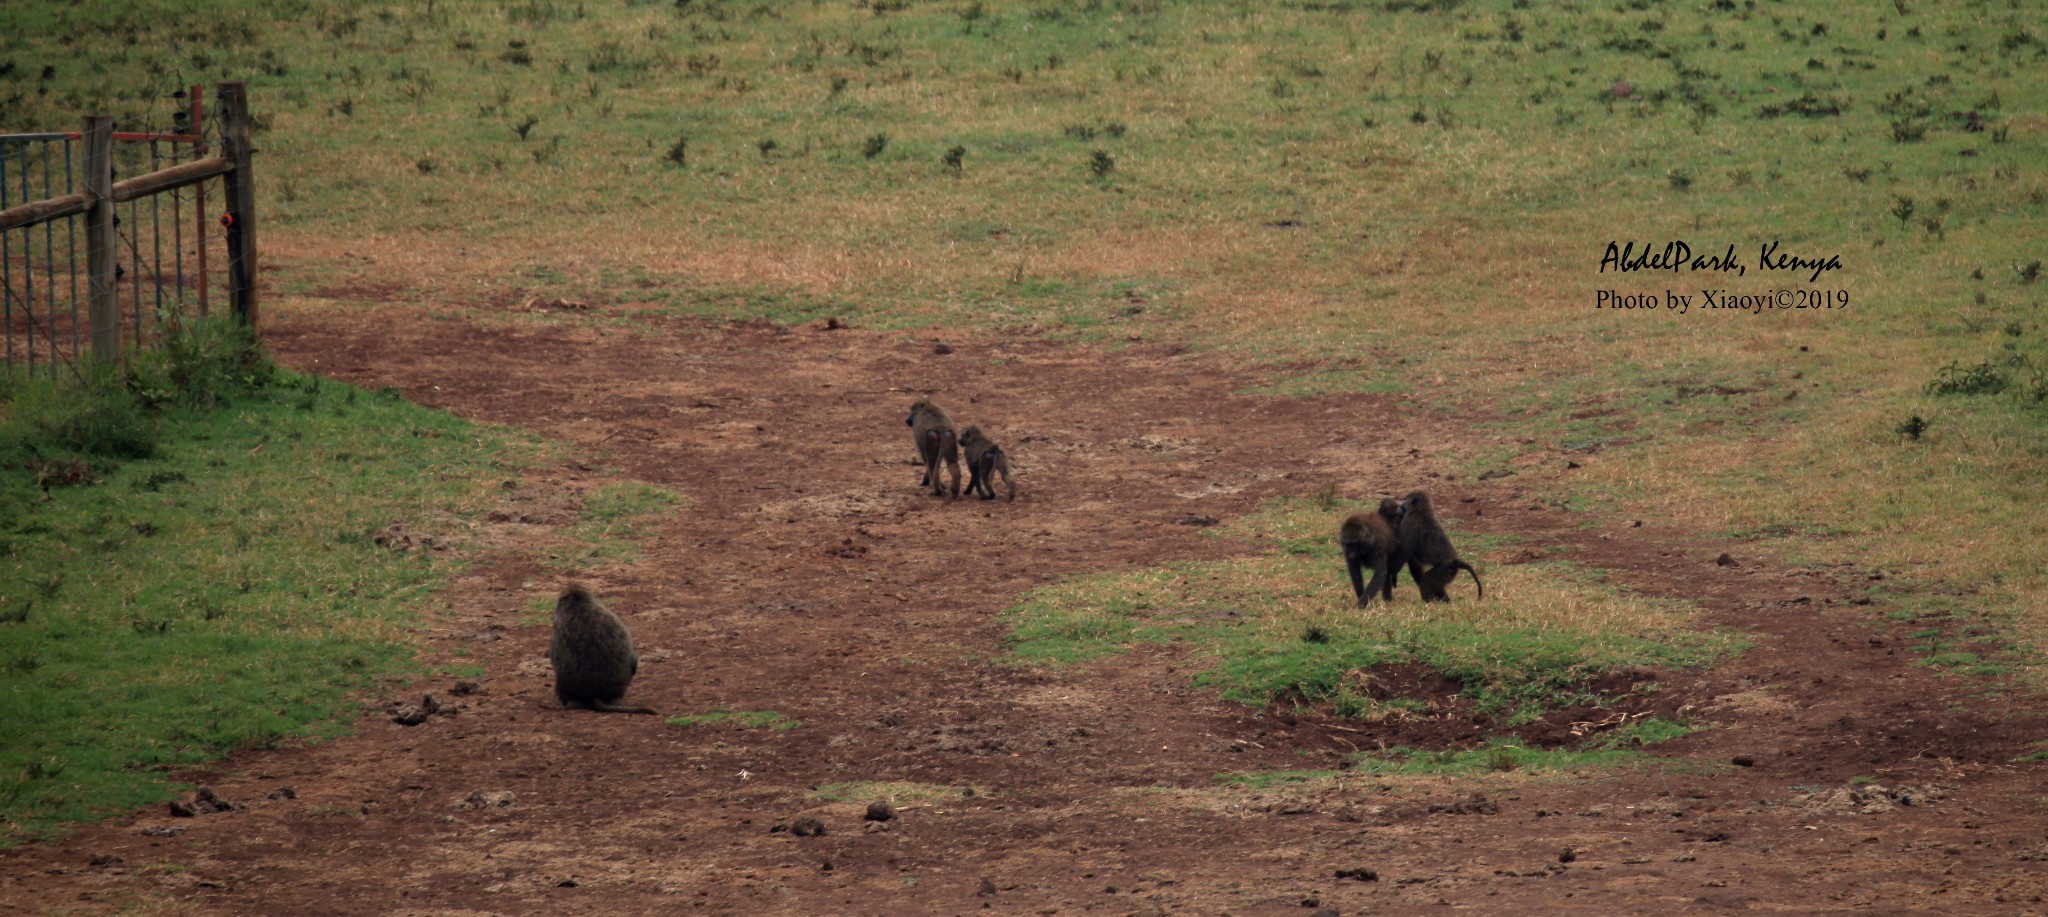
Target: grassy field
{"x":1282,"y":630}
{"x":191,"y":565}
{"x":1387,"y":195}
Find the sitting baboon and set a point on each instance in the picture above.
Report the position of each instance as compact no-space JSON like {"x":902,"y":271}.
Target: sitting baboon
{"x":985,"y":460}
{"x":592,"y":653}
{"x":1427,"y":551}
{"x":936,"y":439}
{"x":1370,"y":538}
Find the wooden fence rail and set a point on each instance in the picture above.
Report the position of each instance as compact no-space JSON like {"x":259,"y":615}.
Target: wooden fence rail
{"x":102,"y":193}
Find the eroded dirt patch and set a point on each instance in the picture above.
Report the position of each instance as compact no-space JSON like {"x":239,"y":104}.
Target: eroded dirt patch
{"x":807,"y":575}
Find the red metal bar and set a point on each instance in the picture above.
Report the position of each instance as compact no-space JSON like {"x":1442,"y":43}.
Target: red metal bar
{"x":199,"y":196}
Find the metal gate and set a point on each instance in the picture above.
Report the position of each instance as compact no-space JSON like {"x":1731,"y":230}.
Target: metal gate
{"x":145,"y":240}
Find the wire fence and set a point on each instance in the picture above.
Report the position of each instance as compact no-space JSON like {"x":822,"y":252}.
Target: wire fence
{"x":162,"y":245}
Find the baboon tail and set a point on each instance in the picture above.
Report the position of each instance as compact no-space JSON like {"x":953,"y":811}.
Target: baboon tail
{"x":1461,"y":565}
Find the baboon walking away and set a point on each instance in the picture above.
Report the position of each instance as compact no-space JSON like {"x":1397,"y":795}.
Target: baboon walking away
{"x":937,"y":439}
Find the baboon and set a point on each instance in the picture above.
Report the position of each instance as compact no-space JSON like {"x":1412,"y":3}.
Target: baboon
{"x":592,"y":653}
{"x":1427,"y":551}
{"x":1370,"y":538}
{"x":984,"y":460}
{"x":937,"y":439}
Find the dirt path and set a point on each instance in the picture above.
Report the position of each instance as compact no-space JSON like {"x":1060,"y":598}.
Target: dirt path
{"x":809,"y":577}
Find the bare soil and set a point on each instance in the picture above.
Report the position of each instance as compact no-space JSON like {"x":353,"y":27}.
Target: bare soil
{"x":810,"y":576}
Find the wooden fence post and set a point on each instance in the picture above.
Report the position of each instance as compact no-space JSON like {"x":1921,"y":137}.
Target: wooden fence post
{"x":241,"y":201}
{"x":103,"y":308}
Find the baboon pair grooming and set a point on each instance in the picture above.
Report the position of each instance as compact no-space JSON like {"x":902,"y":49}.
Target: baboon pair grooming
{"x":938,"y":440}
{"x":1405,"y":532}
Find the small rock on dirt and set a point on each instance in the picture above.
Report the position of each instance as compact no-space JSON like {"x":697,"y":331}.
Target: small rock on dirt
{"x":941,"y":348}
{"x":410,"y":715}
{"x":880,"y":810}
{"x":1742,"y":761}
{"x":203,"y":802}
{"x":1201,"y":521}
{"x":807,"y":827}
{"x":486,"y":799}
{"x":466,"y":688}
{"x":284,"y":792}
{"x":1361,"y":874}
{"x":1724,"y":560}
{"x":986,"y":889}
{"x":162,"y":831}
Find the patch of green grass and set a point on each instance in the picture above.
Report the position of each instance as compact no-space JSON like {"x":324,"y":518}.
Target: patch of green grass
{"x":1265,"y":780}
{"x":220,"y":591}
{"x":1498,"y":755}
{"x":612,"y":526}
{"x":744,"y":719}
{"x":897,"y":793}
{"x":1281,"y":626}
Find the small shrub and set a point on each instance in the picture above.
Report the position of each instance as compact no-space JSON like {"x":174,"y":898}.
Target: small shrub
{"x":1956,"y":379}
{"x":1912,"y":427}
{"x":874,"y":145}
{"x":1102,"y":164}
{"x":954,"y":159}
{"x":1902,"y":207}
{"x":2029,"y":272}
{"x":679,"y":152}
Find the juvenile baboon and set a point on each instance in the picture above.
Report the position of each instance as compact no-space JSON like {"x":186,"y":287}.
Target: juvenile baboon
{"x":1371,"y":538}
{"x":985,"y":460}
{"x":592,"y":653}
{"x":937,"y":439}
{"x":1427,"y":550}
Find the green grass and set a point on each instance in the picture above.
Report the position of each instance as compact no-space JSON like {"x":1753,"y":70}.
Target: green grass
{"x":1365,"y":196}
{"x":1266,"y":780}
{"x":897,"y":793}
{"x":1499,"y":755}
{"x":1281,"y":626}
{"x":1620,"y":748}
{"x":220,"y":591}
{"x":611,"y":528}
{"x":744,"y":719}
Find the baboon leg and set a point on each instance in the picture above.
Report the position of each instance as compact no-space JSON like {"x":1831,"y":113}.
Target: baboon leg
{"x":974,"y":478}
{"x":1380,"y":572}
{"x":1393,"y":579}
{"x":1423,"y":583}
{"x":934,"y":442}
{"x":1356,"y":565}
